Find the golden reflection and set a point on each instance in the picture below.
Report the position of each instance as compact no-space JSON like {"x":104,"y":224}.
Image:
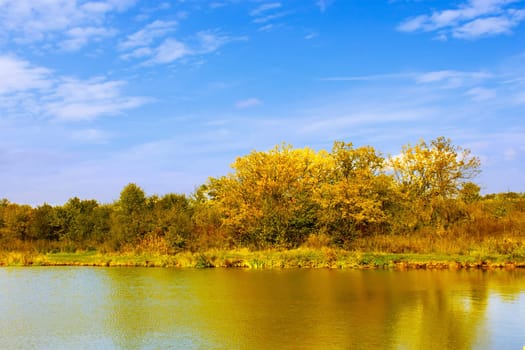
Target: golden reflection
{"x":135,"y":308}
{"x":306,"y":309}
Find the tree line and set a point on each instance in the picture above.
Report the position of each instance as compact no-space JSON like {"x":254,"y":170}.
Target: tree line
{"x":282,"y":198}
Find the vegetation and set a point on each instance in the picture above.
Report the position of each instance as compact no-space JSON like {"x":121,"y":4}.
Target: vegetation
{"x":347,"y":207}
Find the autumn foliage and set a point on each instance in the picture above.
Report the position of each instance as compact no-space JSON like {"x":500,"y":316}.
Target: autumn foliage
{"x":349,"y":197}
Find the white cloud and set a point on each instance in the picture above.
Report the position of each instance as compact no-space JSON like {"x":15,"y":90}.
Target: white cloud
{"x":371,"y":77}
{"x":250,"y":102}
{"x":480,"y":94}
{"x":266,"y":13}
{"x":311,"y":36}
{"x":148,"y":34}
{"x":451,"y":78}
{"x":269,"y":27}
{"x":90,"y":136}
{"x":74,"y":100}
{"x":323,"y":4}
{"x":121,"y":5}
{"x":271,"y":17}
{"x":365,"y":117}
{"x":209,"y":41}
{"x":31,"y":90}
{"x":32,"y":21}
{"x":138,"y":53}
{"x":446,"y":78}
{"x":169,"y":51}
{"x":80,"y":36}
{"x":18,"y":75}
{"x":489,"y":26}
{"x":470,"y":20}
{"x":265,"y":7}
{"x":414,"y":96}
{"x":143,"y":44}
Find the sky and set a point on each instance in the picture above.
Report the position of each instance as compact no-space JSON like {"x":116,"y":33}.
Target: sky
{"x":96,"y":94}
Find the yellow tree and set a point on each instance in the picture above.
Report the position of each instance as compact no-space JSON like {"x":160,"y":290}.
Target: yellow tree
{"x":431,"y":176}
{"x":267,"y":200}
{"x":354,"y":197}
{"x":16,"y":221}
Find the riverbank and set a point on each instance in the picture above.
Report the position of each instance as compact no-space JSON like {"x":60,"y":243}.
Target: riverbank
{"x":270,"y":259}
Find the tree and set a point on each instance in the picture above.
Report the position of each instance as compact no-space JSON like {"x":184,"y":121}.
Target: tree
{"x":438,"y":169}
{"x":172,"y":219}
{"x":206,"y":222}
{"x":16,"y":222}
{"x":45,"y":224}
{"x":267,"y":200}
{"x":132,"y":200}
{"x":429,"y":176}
{"x":129,"y":215}
{"x":80,"y":221}
{"x":353,"y":197}
{"x":469,"y":192}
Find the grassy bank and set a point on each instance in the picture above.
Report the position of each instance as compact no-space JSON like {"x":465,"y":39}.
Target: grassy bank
{"x":271,"y":259}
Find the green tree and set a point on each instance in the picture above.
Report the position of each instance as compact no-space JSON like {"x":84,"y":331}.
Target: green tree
{"x":79,"y":220}
{"x":469,"y":192}
{"x":206,"y":222}
{"x":129,"y":216}
{"x":172,"y":220}
{"x":45,"y":224}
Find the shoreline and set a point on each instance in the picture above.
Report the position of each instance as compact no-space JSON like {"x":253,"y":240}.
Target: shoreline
{"x":271,"y":259}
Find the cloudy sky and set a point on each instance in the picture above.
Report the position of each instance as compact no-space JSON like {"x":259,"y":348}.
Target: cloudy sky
{"x":97,"y":94}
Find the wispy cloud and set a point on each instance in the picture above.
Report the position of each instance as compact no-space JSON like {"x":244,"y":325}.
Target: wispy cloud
{"x":429,"y":104}
{"x":370,"y":77}
{"x":79,"y":36}
{"x":271,"y":17}
{"x":264,"y":8}
{"x":269,"y":27}
{"x":323,"y":4}
{"x":451,"y":78}
{"x":311,"y":36}
{"x":75,"y":100}
{"x":470,"y":20}
{"x":18,"y":75}
{"x":209,"y":41}
{"x":267,"y":15}
{"x":92,"y":136}
{"x":169,"y":51}
{"x":36,"y":91}
{"x":155,"y":45}
{"x":247,"y":103}
{"x":148,"y":34}
{"x":366,"y":117}
{"x":69,"y":24}
{"x":442,"y":78}
{"x":480,"y":93}
{"x":490,"y":26}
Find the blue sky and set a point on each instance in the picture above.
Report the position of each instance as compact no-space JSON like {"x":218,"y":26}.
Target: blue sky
{"x":96,"y":94}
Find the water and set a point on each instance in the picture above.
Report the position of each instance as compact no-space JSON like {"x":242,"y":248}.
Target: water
{"x":135,"y":308}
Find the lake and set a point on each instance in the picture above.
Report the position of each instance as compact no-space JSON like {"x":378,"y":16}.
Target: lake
{"x":150,"y":308}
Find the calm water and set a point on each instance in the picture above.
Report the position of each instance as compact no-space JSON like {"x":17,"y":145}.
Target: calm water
{"x":135,"y":308}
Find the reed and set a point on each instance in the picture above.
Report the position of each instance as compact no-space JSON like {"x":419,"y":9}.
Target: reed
{"x":482,"y":256}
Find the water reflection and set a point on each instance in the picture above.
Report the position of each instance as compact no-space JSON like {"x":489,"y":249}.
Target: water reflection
{"x":53,"y":308}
